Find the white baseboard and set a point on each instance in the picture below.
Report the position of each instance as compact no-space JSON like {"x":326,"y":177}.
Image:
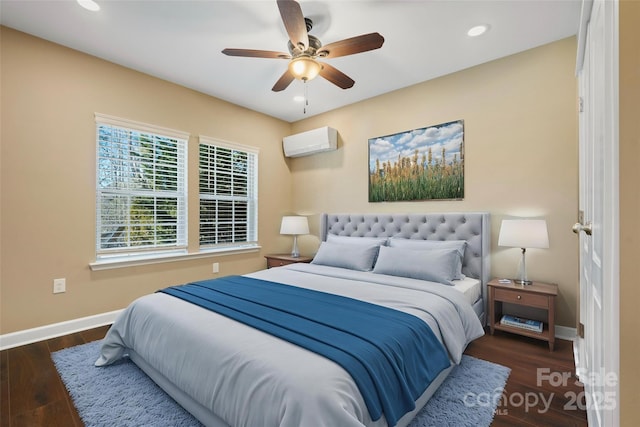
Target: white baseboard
{"x":566,"y":333}
{"x":28,"y":336}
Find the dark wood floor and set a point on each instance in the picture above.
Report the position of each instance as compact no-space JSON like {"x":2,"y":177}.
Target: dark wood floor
{"x":537,"y":376}
{"x":33,"y":395}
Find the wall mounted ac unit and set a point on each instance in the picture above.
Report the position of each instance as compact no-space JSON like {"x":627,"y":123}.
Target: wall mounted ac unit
{"x":310,"y":142}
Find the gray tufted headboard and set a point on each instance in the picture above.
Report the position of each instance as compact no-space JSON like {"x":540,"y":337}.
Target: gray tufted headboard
{"x":474,"y":227}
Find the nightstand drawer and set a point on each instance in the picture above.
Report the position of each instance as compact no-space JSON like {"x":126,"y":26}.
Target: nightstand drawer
{"x":278,"y":260}
{"x":271,"y":262}
{"x":517,"y":297}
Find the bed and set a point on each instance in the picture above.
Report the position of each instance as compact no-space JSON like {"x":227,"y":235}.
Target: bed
{"x":228,"y":373}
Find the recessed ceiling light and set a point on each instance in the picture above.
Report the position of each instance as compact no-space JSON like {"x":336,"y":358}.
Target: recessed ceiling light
{"x":89,"y":5}
{"x":478,"y":30}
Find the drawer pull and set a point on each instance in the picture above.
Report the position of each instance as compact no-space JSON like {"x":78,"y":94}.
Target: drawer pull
{"x":519,"y":297}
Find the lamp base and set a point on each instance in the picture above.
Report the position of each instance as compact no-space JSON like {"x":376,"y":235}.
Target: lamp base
{"x":295,"y":253}
{"x":522,"y":282}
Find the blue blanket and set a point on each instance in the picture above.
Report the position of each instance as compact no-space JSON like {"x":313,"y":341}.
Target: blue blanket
{"x":392,"y":356}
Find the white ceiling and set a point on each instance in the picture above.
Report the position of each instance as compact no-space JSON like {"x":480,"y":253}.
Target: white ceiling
{"x":181,"y":41}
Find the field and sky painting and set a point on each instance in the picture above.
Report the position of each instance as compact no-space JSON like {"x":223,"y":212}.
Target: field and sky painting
{"x":420,"y":164}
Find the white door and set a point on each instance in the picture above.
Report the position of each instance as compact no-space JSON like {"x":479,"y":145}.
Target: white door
{"x":598,"y":348}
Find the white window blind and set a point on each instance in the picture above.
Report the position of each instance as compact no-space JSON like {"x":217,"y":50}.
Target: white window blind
{"x":141,"y":197}
{"x":228,"y":194}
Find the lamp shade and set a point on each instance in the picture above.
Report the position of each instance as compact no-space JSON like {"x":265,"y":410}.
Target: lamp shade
{"x":294,"y":225}
{"x":524,"y":233}
{"x":304,"y":68}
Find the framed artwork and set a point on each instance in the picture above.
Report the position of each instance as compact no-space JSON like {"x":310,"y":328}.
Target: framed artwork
{"x":419,"y":164}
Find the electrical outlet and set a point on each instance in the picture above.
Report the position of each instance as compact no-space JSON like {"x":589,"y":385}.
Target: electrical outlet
{"x":216,"y":267}
{"x":59,"y":286}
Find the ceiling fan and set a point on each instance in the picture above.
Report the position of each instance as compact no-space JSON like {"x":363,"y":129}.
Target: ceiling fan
{"x":305,"y":49}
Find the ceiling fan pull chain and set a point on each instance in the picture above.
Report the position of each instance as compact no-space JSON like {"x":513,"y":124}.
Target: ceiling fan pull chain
{"x":306,"y":98}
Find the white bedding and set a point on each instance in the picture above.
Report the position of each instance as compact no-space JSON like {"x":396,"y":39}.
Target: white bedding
{"x":471,"y":288}
{"x":249,"y":378}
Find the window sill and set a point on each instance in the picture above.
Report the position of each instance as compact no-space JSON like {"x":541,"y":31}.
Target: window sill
{"x":133,"y":261}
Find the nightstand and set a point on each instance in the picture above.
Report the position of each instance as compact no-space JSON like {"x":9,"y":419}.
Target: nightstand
{"x":538,"y":295}
{"x":278,"y":260}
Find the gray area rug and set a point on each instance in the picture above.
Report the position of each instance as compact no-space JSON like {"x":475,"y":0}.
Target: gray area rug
{"x":122,"y":395}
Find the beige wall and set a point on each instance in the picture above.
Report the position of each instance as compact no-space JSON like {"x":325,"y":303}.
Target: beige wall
{"x":49,"y":96}
{"x":629,"y":208}
{"x":520,"y":136}
{"x":521,"y":159}
{"x":521,"y":155}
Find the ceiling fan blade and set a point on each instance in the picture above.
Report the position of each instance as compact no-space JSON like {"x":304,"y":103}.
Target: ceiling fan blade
{"x":293,"y":20}
{"x":283,"y":82}
{"x":336,"y":76}
{"x":352,"y":45}
{"x":252,"y":53}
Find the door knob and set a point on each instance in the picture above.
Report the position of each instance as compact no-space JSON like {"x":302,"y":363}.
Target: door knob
{"x":578,"y":227}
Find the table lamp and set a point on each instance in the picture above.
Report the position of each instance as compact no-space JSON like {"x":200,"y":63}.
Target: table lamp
{"x":294,"y":225}
{"x":524,"y":233}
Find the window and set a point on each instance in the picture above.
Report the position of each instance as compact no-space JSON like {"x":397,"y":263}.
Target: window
{"x":141,"y":197}
{"x":228,"y":194}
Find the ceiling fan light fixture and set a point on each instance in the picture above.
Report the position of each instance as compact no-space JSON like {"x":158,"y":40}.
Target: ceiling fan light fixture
{"x":305,"y":48}
{"x":304,"y":68}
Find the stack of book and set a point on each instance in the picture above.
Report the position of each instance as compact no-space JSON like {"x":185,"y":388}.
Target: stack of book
{"x":519,"y":322}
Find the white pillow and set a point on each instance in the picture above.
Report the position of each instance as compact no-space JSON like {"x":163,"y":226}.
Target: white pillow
{"x":435,"y":265}
{"x":459,"y":245}
{"x":354,"y":257}
{"x":351,"y":240}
